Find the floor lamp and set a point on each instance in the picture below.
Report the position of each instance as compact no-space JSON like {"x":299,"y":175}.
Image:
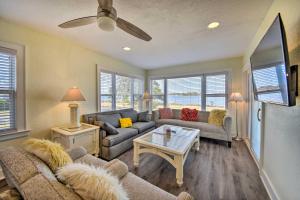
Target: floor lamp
{"x":236,"y":97}
{"x":147,"y":98}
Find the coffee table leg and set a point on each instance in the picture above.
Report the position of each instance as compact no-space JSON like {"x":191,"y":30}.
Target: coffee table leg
{"x":197,"y":145}
{"x":136,"y":155}
{"x":179,"y":169}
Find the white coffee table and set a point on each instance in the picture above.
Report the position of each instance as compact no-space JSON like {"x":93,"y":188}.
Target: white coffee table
{"x":174,"y":147}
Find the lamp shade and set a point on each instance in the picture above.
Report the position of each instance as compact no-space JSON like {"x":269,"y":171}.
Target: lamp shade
{"x":236,"y":96}
{"x":147,"y":96}
{"x":73,"y":94}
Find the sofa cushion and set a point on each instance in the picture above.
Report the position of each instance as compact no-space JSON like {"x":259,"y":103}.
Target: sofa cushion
{"x":176,"y":113}
{"x":138,"y":189}
{"x":197,"y":125}
{"x":124,"y":133}
{"x":203,"y":116}
{"x":143,"y":116}
{"x":130,"y":114}
{"x":143,"y":126}
{"x":113,"y":119}
{"x":110,"y":129}
{"x":165,"y":113}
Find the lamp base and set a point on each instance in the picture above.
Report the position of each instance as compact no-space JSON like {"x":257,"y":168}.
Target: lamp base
{"x":75,"y":121}
{"x":237,"y":139}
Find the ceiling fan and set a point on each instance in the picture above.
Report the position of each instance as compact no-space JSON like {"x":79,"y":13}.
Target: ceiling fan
{"x":107,"y":20}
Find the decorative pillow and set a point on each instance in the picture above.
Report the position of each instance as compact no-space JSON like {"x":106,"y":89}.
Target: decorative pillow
{"x":165,"y":113}
{"x":110,"y":129}
{"x":125,"y":122}
{"x":51,"y":153}
{"x":216,"y":117}
{"x":113,"y":119}
{"x":188,"y":114}
{"x":132,"y":114}
{"x":143,"y":116}
{"x":91,"y":183}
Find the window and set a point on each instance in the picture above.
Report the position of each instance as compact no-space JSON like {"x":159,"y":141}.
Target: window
{"x":216,"y":92}
{"x":12,"y":92}
{"x":7,"y":90}
{"x":158,"y":91}
{"x":106,"y":91}
{"x":123,"y":92}
{"x":119,"y":92}
{"x":138,"y":90}
{"x":205,"y":92}
{"x":184,"y":92}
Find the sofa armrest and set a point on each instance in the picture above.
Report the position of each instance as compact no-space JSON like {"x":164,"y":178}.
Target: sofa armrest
{"x":117,"y":168}
{"x":184,"y":196}
{"x":155,"y":115}
{"x":77,"y":152}
{"x":227,"y":124}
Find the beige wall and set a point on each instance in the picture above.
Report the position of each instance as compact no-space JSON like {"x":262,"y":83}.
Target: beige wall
{"x":281,"y":146}
{"x":52,"y":65}
{"x":231,"y":65}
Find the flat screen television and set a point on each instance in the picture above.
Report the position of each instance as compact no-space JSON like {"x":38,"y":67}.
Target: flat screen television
{"x":273,"y":79}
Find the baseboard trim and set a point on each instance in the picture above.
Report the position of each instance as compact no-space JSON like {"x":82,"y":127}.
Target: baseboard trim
{"x":268,"y":185}
{"x":263,"y":175}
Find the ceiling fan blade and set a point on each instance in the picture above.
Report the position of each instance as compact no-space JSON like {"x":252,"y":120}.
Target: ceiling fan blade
{"x":132,"y":29}
{"x":79,"y":22}
{"x":105,"y":4}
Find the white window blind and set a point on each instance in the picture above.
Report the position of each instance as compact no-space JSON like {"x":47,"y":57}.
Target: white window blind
{"x":119,"y":91}
{"x":216,"y":93}
{"x":184,"y":92}
{"x":205,"y":92}
{"x":123,"y":92}
{"x":158,"y":91}
{"x":7,"y":90}
{"x":138,"y":89}
{"x":106,"y":91}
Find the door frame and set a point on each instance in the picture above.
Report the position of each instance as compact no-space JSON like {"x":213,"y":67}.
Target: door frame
{"x":259,"y":162}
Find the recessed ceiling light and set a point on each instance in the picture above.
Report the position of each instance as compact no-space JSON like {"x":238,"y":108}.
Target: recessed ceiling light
{"x":213,"y":25}
{"x":126,"y":48}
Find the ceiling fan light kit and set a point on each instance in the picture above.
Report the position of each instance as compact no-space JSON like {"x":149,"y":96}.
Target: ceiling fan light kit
{"x":107,"y":20}
{"x":106,"y":23}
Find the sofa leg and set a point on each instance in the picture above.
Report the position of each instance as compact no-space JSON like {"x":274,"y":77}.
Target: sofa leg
{"x":229,"y":144}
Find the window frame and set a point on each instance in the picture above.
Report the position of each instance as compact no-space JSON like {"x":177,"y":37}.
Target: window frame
{"x":114,"y":74}
{"x":203,"y":87}
{"x":20,"y":129}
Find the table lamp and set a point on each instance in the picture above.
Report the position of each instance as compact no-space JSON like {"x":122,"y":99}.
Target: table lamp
{"x":236,"y":97}
{"x":74,"y":95}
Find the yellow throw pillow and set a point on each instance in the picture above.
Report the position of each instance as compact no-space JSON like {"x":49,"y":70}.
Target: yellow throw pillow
{"x":125,"y":122}
{"x":51,"y":153}
{"x":216,"y":117}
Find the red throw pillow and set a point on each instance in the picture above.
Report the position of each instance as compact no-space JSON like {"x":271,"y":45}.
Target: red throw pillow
{"x":189,"y":114}
{"x":165,"y":113}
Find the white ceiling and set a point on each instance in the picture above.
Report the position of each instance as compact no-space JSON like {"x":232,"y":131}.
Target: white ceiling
{"x":178,"y":27}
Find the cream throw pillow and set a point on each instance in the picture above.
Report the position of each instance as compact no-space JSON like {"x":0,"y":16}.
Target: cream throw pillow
{"x":91,"y":183}
{"x":50,"y":152}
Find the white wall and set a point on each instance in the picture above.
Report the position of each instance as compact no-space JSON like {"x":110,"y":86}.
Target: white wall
{"x":281,"y":147}
{"x":52,"y":66}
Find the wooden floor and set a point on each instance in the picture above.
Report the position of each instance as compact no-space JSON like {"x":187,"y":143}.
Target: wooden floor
{"x":215,"y":172}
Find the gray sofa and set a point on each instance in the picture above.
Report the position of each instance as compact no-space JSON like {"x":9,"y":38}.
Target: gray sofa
{"x":113,"y":145}
{"x":34,"y":180}
{"x":206,"y":130}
